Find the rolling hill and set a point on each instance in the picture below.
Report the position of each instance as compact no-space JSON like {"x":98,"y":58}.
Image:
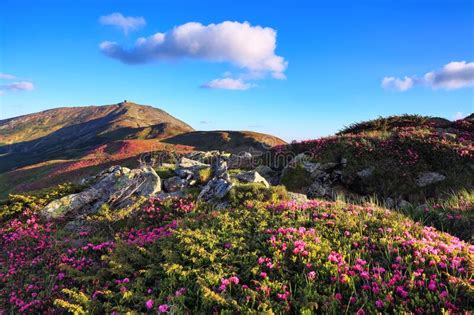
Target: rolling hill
{"x":64,"y":144}
{"x":65,"y":133}
{"x":231,"y":141}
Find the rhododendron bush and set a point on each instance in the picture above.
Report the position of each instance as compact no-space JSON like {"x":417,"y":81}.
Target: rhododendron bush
{"x":178,"y":256}
{"x":396,"y":155}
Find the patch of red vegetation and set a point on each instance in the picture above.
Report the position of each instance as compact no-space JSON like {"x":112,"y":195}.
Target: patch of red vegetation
{"x":123,"y":152}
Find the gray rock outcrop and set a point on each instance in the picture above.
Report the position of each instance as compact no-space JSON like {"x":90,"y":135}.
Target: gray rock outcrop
{"x":115,"y":186}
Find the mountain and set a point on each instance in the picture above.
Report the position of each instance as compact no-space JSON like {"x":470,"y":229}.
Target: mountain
{"x":64,"y":144}
{"x":69,"y":132}
{"x":231,"y":141}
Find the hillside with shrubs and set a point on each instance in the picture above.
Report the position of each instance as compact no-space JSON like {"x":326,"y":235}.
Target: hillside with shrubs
{"x":376,"y":219}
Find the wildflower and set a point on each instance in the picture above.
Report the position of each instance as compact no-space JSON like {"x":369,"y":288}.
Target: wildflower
{"x":163,"y":308}
{"x":234,"y":280}
{"x":338,"y":296}
{"x":180,"y":292}
{"x":263,"y":275}
{"x":311,"y":275}
{"x":379,"y":304}
{"x":149,"y":304}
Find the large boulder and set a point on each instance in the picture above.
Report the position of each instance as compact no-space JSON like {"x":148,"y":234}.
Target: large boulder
{"x":252,"y":177}
{"x":319,"y":190}
{"x":185,"y":163}
{"x":117,"y":187}
{"x":219,"y":185}
{"x":428,"y":178}
{"x":272,"y":176}
{"x":216,"y":188}
{"x":174,"y":183}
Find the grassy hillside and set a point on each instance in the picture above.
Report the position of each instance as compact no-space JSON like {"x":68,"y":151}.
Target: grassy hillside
{"x":66,"y":133}
{"x":180,"y":256}
{"x":387,"y":156}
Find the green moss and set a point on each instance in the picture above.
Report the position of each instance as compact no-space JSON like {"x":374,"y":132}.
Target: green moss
{"x":165,"y":172}
{"x":296,"y":178}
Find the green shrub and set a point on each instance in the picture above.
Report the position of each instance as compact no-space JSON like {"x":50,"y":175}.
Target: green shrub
{"x":296,"y":178}
{"x":256,"y":192}
{"x":36,"y":200}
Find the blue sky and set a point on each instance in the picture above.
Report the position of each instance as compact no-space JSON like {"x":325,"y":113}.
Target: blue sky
{"x":338,"y":54}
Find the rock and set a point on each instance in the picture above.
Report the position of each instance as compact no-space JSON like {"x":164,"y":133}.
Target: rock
{"x":116,"y":187}
{"x":184,"y":173}
{"x":190,"y":169}
{"x":312,"y":168}
{"x":264,"y":170}
{"x":295,"y":197}
{"x":428,"y":178}
{"x":403,"y":204}
{"x":164,"y":195}
{"x":174,"y":183}
{"x":272,"y":177}
{"x":216,"y":188}
{"x":219,"y":168}
{"x":343,"y":162}
{"x":389,"y":203}
{"x":300,"y":158}
{"x":319,"y":190}
{"x":252,"y":177}
{"x":190,"y":164}
{"x":245,"y":155}
{"x":366,"y":172}
{"x":243,"y":160}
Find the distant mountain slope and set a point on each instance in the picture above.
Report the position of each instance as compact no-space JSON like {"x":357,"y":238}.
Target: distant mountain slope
{"x":64,"y":144}
{"x":232,"y":141}
{"x":69,"y":132}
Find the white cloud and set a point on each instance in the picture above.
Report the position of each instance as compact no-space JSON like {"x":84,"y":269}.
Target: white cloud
{"x":249,"y":47}
{"x":454,"y":75}
{"x":18,"y":86}
{"x":125,"y":23}
{"x":6,"y":76}
{"x":396,"y":84}
{"x":228,"y":84}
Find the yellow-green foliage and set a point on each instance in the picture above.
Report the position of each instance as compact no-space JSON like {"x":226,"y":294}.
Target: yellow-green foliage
{"x":256,"y":192}
{"x":79,"y":301}
{"x":204,"y":175}
{"x":18,"y":202}
{"x":165,"y":171}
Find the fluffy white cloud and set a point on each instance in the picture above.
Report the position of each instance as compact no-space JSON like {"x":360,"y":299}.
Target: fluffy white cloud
{"x":249,"y":47}
{"x":396,"y":84}
{"x":125,"y":23}
{"x":18,"y":86}
{"x":454,"y":75}
{"x":228,"y":84}
{"x":6,"y":76}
